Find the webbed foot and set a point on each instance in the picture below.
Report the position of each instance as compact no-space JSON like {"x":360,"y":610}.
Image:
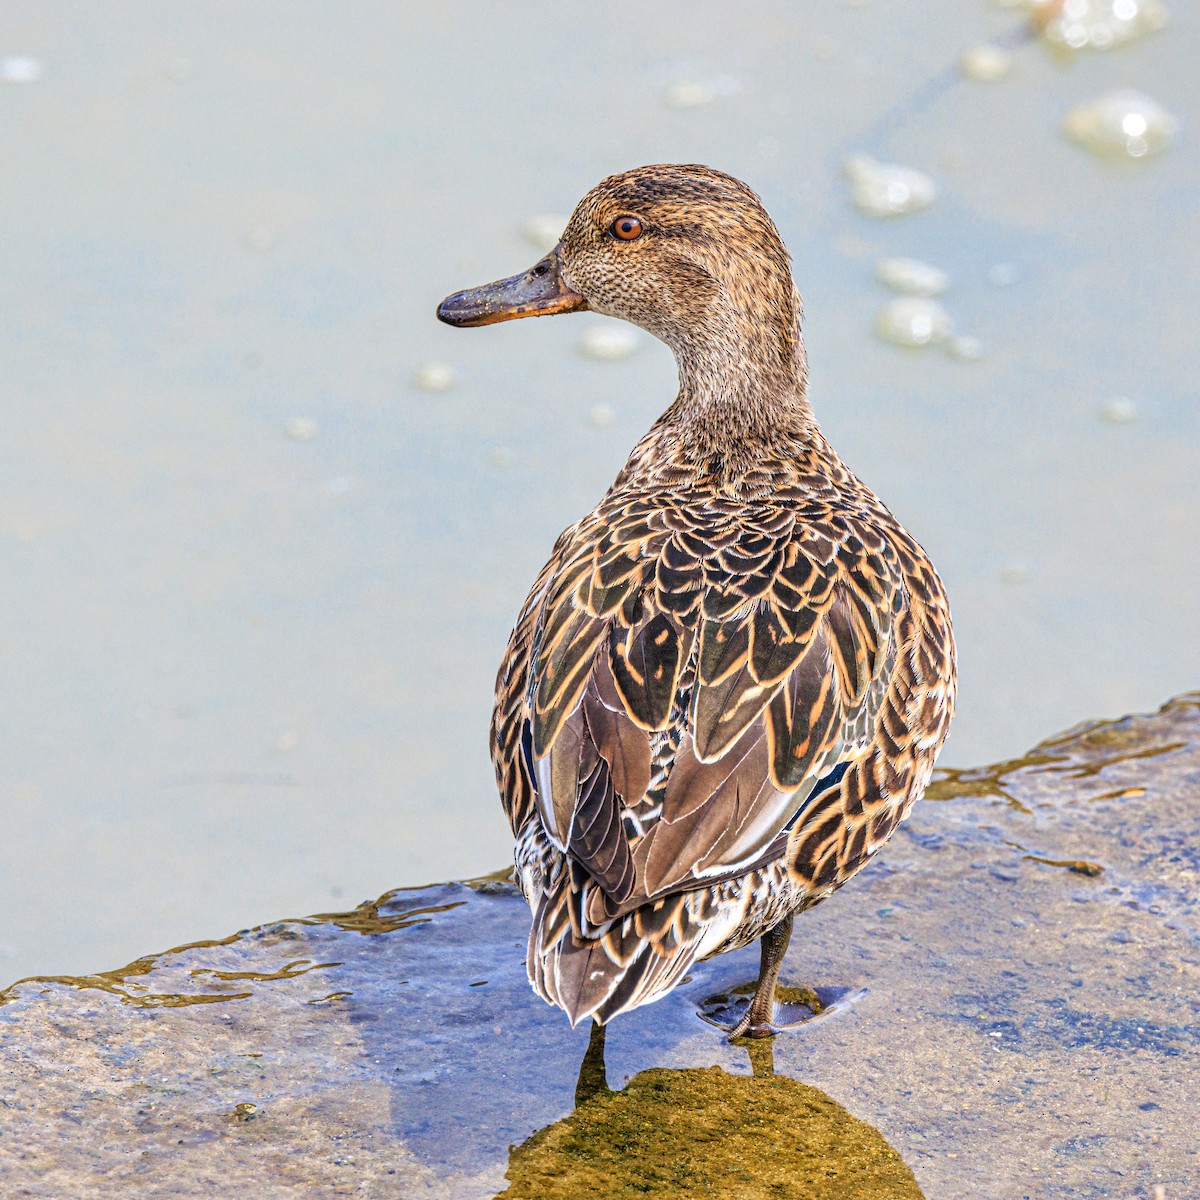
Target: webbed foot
{"x":789,"y":1008}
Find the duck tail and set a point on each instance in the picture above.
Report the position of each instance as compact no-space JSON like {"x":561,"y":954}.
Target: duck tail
{"x":634,"y":960}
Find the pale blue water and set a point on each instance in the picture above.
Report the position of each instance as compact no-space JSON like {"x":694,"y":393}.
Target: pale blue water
{"x":247,"y":675}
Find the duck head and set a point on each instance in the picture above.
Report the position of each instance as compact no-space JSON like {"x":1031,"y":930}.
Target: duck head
{"x":686,"y":252}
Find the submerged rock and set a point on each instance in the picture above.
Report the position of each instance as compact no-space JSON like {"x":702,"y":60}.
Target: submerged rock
{"x":1031,"y":1026}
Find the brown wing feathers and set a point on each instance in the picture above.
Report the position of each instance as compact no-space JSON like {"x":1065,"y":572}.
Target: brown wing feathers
{"x":785,"y":649}
{"x":697,"y":692}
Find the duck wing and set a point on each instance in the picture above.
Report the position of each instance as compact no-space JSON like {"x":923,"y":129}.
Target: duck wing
{"x":688,"y":681}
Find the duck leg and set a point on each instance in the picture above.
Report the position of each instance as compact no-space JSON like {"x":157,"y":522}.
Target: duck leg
{"x":763,"y":1017}
{"x":758,"y":1019}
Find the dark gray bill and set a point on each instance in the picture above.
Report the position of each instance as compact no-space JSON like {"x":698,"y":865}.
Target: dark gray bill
{"x":538,"y":292}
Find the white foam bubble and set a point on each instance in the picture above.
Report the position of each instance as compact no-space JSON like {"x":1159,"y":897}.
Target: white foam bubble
{"x":887,"y":189}
{"x":1122,"y":124}
{"x":435,"y":377}
{"x":913,"y":321}
{"x":912,"y":276}
{"x":608,"y":342}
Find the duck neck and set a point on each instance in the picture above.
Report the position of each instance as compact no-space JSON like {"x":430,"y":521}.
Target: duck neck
{"x":743,"y":395}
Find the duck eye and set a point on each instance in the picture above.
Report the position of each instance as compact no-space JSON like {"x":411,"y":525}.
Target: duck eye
{"x":626,"y":228}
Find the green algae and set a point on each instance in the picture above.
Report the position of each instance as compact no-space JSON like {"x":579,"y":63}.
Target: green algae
{"x":1083,"y":752}
{"x":702,"y":1132}
{"x":1080,"y":866}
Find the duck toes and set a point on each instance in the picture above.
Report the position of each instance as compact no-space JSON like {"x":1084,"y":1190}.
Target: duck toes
{"x":729,"y":683}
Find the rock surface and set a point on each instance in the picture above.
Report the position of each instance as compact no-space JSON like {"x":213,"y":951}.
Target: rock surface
{"x":1031,"y":1028}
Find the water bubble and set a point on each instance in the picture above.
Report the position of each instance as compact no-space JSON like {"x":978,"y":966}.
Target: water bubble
{"x":689,"y":94}
{"x":302,"y":429}
{"x":913,"y":321}
{"x":260,"y":238}
{"x":608,"y":343}
{"x":602,"y":415}
{"x":544,"y":230}
{"x":912,"y":276}
{"x":885,"y":189}
{"x":985,"y":63}
{"x":435,"y":377}
{"x":21,"y":68}
{"x":1121,"y":124}
{"x":1120,"y":410}
{"x":178,"y":69}
{"x":1096,"y":24}
{"x":1003,"y":274}
{"x":1015,"y":573}
{"x":288,"y":740}
{"x":964,"y":347}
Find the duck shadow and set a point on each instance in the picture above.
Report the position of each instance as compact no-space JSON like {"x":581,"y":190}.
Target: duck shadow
{"x":474,"y":1062}
{"x":676,"y":1132}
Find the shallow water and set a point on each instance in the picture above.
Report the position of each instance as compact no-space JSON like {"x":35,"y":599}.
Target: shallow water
{"x":1025,"y":1030}
{"x":248,"y":673}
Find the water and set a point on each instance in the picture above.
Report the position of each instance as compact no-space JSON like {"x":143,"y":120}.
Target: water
{"x":1022,"y":963}
{"x":610,"y":341}
{"x":1122,"y":124}
{"x":913,"y":321}
{"x":911,"y":276}
{"x":887,"y":189}
{"x":1097,"y":24}
{"x":985,"y":63}
{"x":247,"y":675}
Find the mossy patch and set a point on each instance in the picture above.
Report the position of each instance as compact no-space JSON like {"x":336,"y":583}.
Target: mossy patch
{"x":705,"y":1133}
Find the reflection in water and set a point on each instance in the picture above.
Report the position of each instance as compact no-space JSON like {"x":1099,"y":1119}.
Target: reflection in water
{"x":704,"y":1132}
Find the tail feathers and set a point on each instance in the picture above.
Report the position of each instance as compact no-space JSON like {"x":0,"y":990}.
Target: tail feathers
{"x":631,"y":963}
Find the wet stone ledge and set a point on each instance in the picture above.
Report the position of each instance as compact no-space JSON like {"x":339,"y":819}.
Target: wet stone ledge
{"x":1029,"y":944}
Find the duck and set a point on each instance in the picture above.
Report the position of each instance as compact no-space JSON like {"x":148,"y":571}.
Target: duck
{"x":730,"y":681}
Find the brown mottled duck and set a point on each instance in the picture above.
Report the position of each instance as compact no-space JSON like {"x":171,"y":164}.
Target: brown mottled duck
{"x":729,"y":684}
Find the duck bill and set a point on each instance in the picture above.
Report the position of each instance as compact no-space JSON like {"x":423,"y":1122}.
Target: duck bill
{"x":539,"y":292}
